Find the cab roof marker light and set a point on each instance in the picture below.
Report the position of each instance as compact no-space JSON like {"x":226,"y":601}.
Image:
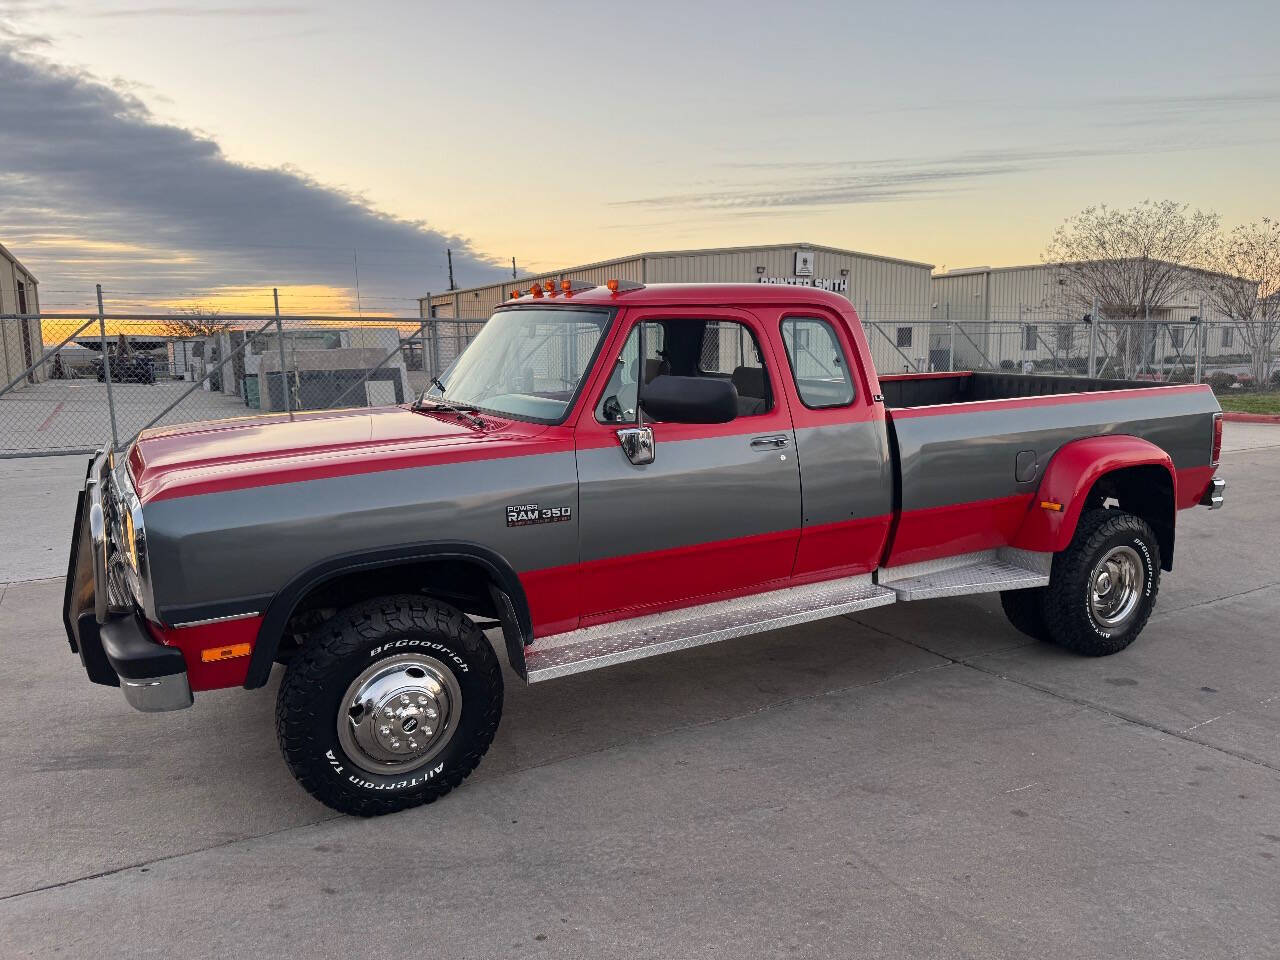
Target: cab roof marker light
{"x":621,"y":286}
{"x":536,"y":291}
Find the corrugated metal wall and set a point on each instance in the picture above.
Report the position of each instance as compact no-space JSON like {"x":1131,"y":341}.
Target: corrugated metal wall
{"x":993,"y":303}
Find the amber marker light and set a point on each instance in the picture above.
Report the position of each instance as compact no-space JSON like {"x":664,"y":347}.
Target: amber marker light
{"x":612,"y":285}
{"x":214,"y":654}
{"x":1051,"y":505}
{"x":536,"y":291}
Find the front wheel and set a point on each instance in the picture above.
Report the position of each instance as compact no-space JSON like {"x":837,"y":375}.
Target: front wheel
{"x":389,"y":705}
{"x":1103,"y":586}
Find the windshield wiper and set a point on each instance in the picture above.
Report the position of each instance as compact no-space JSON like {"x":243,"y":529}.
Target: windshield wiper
{"x":465,"y":413}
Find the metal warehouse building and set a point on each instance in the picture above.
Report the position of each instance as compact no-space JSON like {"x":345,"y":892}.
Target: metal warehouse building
{"x":1031,"y":313}
{"x":20,"y":340}
{"x":894,"y":295}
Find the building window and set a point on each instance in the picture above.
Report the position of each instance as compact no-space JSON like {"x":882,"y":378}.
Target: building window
{"x":1029,"y":337}
{"x":1066,"y":337}
{"x":904,"y":336}
{"x":1226,"y":336}
{"x":1176,"y":337}
{"x":818,"y":363}
{"x":22,"y":297}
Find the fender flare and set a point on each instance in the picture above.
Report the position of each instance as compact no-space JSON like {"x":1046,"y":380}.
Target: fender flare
{"x":1071,"y":474}
{"x":504,"y":583}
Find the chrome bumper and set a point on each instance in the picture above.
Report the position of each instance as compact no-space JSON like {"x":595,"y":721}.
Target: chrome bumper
{"x":1213,"y":496}
{"x":112,"y":641}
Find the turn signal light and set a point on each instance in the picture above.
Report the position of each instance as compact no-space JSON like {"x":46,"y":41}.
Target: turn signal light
{"x":214,"y":654}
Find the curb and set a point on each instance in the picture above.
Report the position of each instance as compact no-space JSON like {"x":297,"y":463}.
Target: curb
{"x":1232,"y":417}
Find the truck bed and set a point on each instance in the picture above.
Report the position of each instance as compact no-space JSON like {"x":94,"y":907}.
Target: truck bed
{"x":932,"y":389}
{"x":971,"y":447}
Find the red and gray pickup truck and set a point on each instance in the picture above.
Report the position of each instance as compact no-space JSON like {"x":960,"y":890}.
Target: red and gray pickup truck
{"x":608,"y":473}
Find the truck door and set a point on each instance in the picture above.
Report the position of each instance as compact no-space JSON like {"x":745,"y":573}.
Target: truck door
{"x":842,"y":444}
{"x":717,"y":513}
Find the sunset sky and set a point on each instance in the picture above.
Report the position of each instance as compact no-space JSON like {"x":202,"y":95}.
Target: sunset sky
{"x":204,"y":152}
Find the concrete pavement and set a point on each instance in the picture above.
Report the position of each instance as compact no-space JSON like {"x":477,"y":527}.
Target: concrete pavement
{"x":914,"y":781}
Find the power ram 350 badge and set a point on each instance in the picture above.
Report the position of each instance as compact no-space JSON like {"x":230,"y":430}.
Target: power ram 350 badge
{"x":526,"y":514}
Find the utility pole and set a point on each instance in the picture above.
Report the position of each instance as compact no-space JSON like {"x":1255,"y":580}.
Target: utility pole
{"x":452,"y":285}
{"x":513,"y":269}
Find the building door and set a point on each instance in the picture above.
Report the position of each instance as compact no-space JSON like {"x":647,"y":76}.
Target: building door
{"x":718,"y":511}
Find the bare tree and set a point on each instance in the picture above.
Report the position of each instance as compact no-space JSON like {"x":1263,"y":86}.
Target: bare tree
{"x":1132,"y":263}
{"x":1248,"y":291}
{"x":195,"y":321}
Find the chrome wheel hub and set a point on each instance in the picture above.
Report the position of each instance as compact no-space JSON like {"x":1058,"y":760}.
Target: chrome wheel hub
{"x":1116,"y":587}
{"x":399,"y":713}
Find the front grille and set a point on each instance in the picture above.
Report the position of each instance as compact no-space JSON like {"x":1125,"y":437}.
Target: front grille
{"x":120,"y":593}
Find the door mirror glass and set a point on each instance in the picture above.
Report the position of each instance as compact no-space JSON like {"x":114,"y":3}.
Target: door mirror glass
{"x":690,"y":399}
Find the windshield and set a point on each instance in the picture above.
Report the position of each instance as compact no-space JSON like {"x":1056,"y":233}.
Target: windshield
{"x":524,"y":363}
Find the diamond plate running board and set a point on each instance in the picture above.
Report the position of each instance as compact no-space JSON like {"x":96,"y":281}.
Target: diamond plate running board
{"x":591,"y":648}
{"x":985,"y":572}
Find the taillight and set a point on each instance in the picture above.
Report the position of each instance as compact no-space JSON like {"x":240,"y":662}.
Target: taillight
{"x":1217,"y":440}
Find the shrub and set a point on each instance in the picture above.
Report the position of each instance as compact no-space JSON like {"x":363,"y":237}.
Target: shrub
{"x":1220,"y":380}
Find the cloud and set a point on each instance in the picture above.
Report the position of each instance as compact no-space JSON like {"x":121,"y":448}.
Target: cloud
{"x":824,"y":184}
{"x":196,"y":11}
{"x":85,"y":163}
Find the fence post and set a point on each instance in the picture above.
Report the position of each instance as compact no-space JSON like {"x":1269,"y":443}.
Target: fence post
{"x":284,"y":373}
{"x":435,"y":340}
{"x":951,"y":341}
{"x":106,"y":369}
{"x":1093,"y":340}
{"x":1200,"y":335}
{"x":423,"y":334}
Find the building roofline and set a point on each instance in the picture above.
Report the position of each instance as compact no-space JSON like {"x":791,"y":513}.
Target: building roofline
{"x":5,"y":252}
{"x":654,"y":254}
{"x":971,"y":271}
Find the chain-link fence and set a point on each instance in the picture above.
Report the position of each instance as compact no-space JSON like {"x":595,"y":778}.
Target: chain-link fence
{"x":96,"y":379}
{"x":77,"y":381}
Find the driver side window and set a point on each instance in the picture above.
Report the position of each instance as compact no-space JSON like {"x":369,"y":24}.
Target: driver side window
{"x":688,"y":347}
{"x":618,"y":403}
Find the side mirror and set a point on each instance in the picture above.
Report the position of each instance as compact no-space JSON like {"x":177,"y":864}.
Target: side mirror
{"x":690,"y":399}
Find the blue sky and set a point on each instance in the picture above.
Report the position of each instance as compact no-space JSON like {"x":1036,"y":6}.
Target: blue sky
{"x":280,"y":139}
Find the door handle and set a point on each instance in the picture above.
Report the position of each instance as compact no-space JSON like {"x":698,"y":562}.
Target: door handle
{"x":770,"y":443}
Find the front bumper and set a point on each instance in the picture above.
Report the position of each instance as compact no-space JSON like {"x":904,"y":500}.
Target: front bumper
{"x":1214,"y":494}
{"x":112,"y":641}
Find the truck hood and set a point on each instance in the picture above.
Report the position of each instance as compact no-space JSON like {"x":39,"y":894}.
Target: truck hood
{"x":196,"y":458}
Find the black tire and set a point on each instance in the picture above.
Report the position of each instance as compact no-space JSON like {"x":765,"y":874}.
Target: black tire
{"x":1068,"y":612}
{"x":385,"y":630}
{"x":1025,"y":610}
